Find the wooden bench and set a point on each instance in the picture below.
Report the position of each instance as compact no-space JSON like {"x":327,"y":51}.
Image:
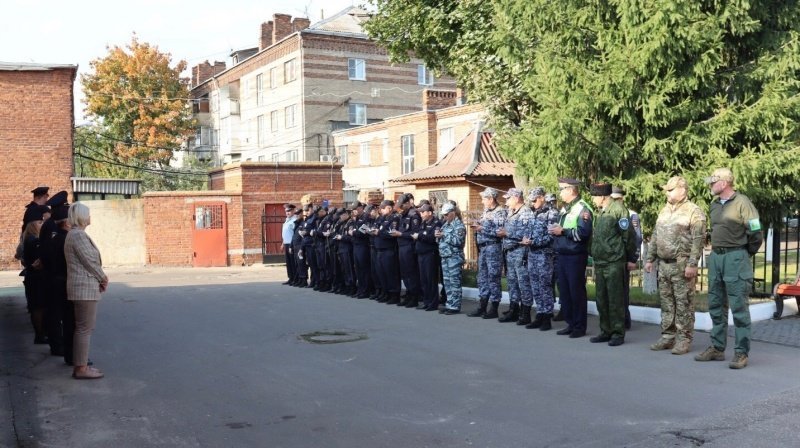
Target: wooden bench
{"x":783,"y":291}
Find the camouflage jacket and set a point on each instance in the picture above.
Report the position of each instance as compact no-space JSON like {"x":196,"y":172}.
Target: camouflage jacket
{"x":679,"y":233}
{"x":491,"y":220}
{"x":517,"y":227}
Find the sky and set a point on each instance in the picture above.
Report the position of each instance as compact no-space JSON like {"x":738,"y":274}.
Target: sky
{"x":78,"y":31}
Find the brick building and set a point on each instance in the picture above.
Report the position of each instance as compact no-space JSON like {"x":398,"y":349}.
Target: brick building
{"x":281,"y":101}
{"x":36,"y":138}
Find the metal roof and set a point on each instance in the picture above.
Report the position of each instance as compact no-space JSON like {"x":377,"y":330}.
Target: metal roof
{"x":32,"y":66}
{"x":105,"y":186}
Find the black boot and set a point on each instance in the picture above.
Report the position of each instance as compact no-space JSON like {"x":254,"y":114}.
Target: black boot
{"x":383,"y":297}
{"x":537,"y":322}
{"x":492,"y":313}
{"x":524,"y":315}
{"x":546,"y":324}
{"x":481,"y":310}
{"x":394,"y":299}
{"x":513,"y":315}
{"x":413,"y":302}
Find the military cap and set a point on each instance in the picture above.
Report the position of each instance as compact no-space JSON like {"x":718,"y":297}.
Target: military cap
{"x":425,"y":208}
{"x":356,"y":204}
{"x":57,"y":199}
{"x":288,"y":207}
{"x":617,"y":192}
{"x":675,"y":182}
{"x":40,"y":191}
{"x":513,"y":192}
{"x":489,"y":192}
{"x":535,"y":193}
{"x":600,"y":189}
{"x":447,"y":208}
{"x":387,"y":203}
{"x":35,"y":213}
{"x":424,"y":201}
{"x":550,"y":197}
{"x":60,"y":213}
{"x":720,"y":174}
{"x":298,"y":210}
{"x":569,"y":181}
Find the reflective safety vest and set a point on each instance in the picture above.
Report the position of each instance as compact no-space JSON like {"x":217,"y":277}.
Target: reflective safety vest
{"x":571,"y":218}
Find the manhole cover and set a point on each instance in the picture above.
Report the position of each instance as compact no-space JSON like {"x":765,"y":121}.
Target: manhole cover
{"x":332,"y":337}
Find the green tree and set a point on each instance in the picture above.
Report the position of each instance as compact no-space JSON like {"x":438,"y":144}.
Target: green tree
{"x":627,"y":91}
{"x":138,"y":102}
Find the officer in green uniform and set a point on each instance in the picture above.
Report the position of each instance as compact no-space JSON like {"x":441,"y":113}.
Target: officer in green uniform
{"x":735,"y":236}
{"x":613,"y":252}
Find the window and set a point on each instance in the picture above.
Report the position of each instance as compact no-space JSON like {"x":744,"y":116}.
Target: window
{"x":407,"y":142}
{"x":275,"y":157}
{"x":343,"y":154}
{"x":290,"y":71}
{"x":273,"y":121}
{"x":289,"y":111}
{"x":446,"y":142}
{"x":358,"y":113}
{"x":291,"y":156}
{"x":259,"y":90}
{"x":424,"y":76}
{"x":262,"y":131}
{"x":364,"y":153}
{"x":273,"y":78}
{"x":262,"y":158}
{"x":357,"y":69}
{"x":385,"y":150}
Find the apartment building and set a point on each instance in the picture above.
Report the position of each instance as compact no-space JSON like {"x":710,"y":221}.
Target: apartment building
{"x":281,"y":101}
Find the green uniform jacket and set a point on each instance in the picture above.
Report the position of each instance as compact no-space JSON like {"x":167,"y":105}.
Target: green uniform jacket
{"x":614,"y":238}
{"x":735,"y":224}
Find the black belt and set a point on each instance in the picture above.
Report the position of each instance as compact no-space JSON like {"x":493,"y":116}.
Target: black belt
{"x":488,"y":243}
{"x":725,"y":250}
{"x":668,"y":260}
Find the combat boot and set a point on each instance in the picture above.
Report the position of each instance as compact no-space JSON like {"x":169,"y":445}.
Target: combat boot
{"x":711,"y":354}
{"x":513,"y":315}
{"x":663,"y":344}
{"x":481,"y":310}
{"x":682,"y":347}
{"x":492,"y":313}
{"x":537,"y":322}
{"x":524,"y":315}
{"x":394,"y":298}
{"x":383,"y":297}
{"x":546,"y":323}
{"x":739,"y":361}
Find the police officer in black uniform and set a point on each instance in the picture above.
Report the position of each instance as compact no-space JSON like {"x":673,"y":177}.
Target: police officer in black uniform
{"x":427,"y":249}
{"x":361,"y":250}
{"x":52,"y":285}
{"x":409,"y":270}
{"x":386,"y":245}
{"x":309,"y":254}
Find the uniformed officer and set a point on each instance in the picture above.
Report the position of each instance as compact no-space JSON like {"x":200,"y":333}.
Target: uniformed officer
{"x":320,"y":235}
{"x":287,"y":231}
{"x":676,"y":244}
{"x":386,"y":245}
{"x":452,"y":237}
{"x":736,"y":235}
{"x":541,"y":258}
{"x":361,"y":250}
{"x":334,"y":267}
{"x":51,"y":284}
{"x":309,"y":253}
{"x":613,"y":251}
{"x":618,"y":194}
{"x":490,"y":254}
{"x":518,"y":281}
{"x":427,"y":257}
{"x":572,"y":235}
{"x":40,"y":197}
{"x":409,"y":269}
{"x":373,"y":217}
{"x":301,"y":270}
{"x":344,"y":250}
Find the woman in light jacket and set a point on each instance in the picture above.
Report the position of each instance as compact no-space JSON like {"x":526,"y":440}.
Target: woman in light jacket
{"x":85,"y":281}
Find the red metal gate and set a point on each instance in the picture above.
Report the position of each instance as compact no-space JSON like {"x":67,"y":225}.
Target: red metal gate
{"x":210,"y":235}
{"x":271,"y":238}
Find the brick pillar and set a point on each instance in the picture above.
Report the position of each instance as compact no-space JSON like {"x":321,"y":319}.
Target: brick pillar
{"x":299,"y":24}
{"x":281,"y":26}
{"x":437,"y":99}
{"x":266,"y":35}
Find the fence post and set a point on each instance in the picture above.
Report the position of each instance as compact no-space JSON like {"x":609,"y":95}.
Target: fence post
{"x":776,"y":255}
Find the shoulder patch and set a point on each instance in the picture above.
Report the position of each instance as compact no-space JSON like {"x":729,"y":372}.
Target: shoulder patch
{"x":586,"y":215}
{"x":624,"y":223}
{"x":754,"y":225}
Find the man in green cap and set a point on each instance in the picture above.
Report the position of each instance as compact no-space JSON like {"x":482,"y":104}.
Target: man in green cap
{"x":735,"y":236}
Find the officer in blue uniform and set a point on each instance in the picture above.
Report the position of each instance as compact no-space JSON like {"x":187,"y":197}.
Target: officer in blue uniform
{"x":572,"y":235}
{"x":386,"y":245}
{"x":515,"y":230}
{"x":361,"y":250}
{"x":451,"y":237}
{"x":301,"y":270}
{"x":373,"y":217}
{"x":490,"y":255}
{"x":541,"y":258}
{"x":320,"y":234}
{"x":409,"y":270}
{"x":427,"y":249}
{"x":309,"y":254}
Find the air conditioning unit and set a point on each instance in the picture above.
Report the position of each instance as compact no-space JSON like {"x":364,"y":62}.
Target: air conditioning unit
{"x":326,"y":158}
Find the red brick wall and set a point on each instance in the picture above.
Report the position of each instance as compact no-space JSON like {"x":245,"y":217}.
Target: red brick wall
{"x":36,"y":125}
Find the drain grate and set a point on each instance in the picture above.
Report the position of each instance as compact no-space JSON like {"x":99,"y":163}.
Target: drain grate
{"x":332,"y":337}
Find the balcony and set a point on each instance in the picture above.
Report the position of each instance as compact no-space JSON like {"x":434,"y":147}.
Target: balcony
{"x":228,"y":108}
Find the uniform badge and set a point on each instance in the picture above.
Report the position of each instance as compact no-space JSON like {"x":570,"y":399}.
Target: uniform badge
{"x":624,"y":223}
{"x":586,"y":215}
{"x":754,"y":224}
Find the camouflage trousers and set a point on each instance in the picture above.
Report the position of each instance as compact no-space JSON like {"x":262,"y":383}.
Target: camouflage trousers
{"x":677,"y":301}
{"x":451,"y":273}
{"x":519,"y":284}
{"x":540,"y":271}
{"x":490,"y":271}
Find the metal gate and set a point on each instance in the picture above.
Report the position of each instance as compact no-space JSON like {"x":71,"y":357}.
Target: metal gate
{"x":271,"y":239}
{"x":210,"y":235}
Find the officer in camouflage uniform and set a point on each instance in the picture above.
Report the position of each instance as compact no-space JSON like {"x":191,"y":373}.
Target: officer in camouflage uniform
{"x":677,"y":244}
{"x":519,"y":284}
{"x":490,"y":254}
{"x":735,"y":236}
{"x":541,"y":258}
{"x":613,"y":251}
{"x":451,"y":238}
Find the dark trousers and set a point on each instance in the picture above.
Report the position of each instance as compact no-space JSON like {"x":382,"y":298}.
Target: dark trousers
{"x":572,"y":289}
{"x":363,"y":268}
{"x":55,"y":294}
{"x":301,"y":267}
{"x":374,"y":274}
{"x":346,"y":264}
{"x":310,"y":254}
{"x":429,"y":268}
{"x":388,"y":271}
{"x":322,"y":262}
{"x":409,"y":270}
{"x":291,"y":269}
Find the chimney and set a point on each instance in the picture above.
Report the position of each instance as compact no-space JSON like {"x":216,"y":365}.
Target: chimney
{"x":437,"y":99}
{"x":299,"y":24}
{"x":266,"y":36}
{"x":281,"y":26}
{"x":203,"y":71}
{"x":461,"y":97}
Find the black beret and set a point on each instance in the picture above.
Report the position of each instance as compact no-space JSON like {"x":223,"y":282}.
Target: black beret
{"x":57,"y":199}
{"x":569,"y":181}
{"x":600,"y":189}
{"x":38,"y":191}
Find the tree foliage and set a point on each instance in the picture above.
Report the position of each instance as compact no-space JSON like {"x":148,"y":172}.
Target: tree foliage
{"x":626,"y":91}
{"x":139,"y":104}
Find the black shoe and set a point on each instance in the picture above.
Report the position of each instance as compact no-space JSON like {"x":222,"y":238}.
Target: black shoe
{"x":564,"y":331}
{"x":577,"y":334}
{"x":537,"y":322}
{"x":513,"y":315}
{"x":558,"y":317}
{"x":546,"y":324}
{"x":616,"y":341}
{"x":433,"y":307}
{"x":450,"y":312}
{"x":481,"y":310}
{"x":492,"y":312}
{"x":600,"y":338}
{"x":287,"y":282}
{"x":524,"y":315}
{"x":412,"y":304}
{"x":422,"y":306}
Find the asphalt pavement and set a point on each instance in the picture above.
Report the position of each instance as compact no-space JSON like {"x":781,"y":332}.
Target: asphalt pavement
{"x":222,"y":358}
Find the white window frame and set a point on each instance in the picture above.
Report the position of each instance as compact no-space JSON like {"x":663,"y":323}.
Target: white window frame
{"x":363,"y":152}
{"x":424,"y":76}
{"x":275,"y":157}
{"x":290,"y":71}
{"x":446,"y":141}
{"x":356,"y":69}
{"x":262,"y":158}
{"x":273,"y":121}
{"x":273,"y":78}
{"x":343,"y":154}
{"x":407,"y":147}
{"x":290,"y":115}
{"x":262,"y":131}
{"x":259,"y":89}
{"x":291,"y":156}
{"x":357,"y":114}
